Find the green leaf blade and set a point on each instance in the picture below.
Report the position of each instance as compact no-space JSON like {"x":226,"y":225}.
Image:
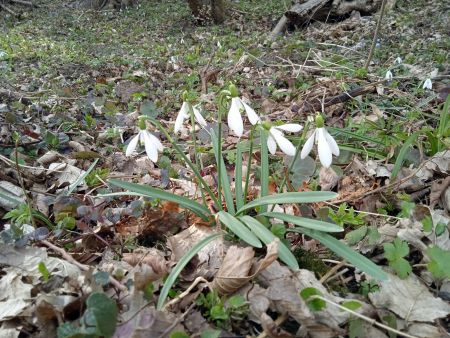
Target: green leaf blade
{"x":290,"y":197}
{"x":308,"y":223}
{"x":267,"y":237}
{"x":180,"y":266}
{"x":353,"y":257}
{"x":141,"y":190}
{"x":237,"y":227}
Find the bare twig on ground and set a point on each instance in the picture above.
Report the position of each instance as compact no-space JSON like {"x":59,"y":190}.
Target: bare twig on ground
{"x":83,"y":267}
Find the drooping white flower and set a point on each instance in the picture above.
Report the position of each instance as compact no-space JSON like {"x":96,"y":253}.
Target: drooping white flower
{"x":235,"y":122}
{"x":388,"y":75}
{"x":276,"y":137}
{"x":427,"y":84}
{"x":183,"y":114}
{"x":398,"y":60}
{"x":326,"y":145}
{"x":151,"y":143}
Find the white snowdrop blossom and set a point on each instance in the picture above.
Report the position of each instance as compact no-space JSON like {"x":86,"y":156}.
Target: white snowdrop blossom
{"x":398,"y":60}
{"x":427,"y":84}
{"x":388,"y":75}
{"x":235,"y":122}
{"x":276,"y":137}
{"x":183,"y":114}
{"x":326,"y":145}
{"x":151,"y":143}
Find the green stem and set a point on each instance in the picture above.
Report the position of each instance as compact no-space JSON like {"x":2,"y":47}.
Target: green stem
{"x":219,"y":156}
{"x":188,"y":162}
{"x":194,"y":140}
{"x":264,"y":166}
{"x":291,"y":165}
{"x":249,"y":164}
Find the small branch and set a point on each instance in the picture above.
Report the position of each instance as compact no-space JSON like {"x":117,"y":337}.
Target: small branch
{"x":375,"y":35}
{"x":83,"y":267}
{"x":279,"y":28}
{"x":23,"y":2}
{"x":9,"y":10}
{"x":363,"y":317}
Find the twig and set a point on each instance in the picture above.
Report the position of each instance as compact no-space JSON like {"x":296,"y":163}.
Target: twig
{"x":280,"y":320}
{"x":367,"y":319}
{"x":186,"y":292}
{"x":375,"y":35}
{"x":23,"y":2}
{"x":177,"y":321}
{"x":331,"y":272}
{"x":9,"y":10}
{"x":83,"y":267}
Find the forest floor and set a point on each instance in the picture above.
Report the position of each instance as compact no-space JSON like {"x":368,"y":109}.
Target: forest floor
{"x":75,"y":262}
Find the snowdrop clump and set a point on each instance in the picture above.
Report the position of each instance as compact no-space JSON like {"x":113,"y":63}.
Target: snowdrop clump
{"x":235,"y":122}
{"x":326,"y":145}
{"x":151,"y":143}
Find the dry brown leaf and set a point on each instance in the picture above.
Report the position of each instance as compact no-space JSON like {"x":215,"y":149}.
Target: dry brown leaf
{"x":237,"y":268}
{"x":207,"y":261}
{"x":438,"y":188}
{"x":152,"y":265}
{"x":328,"y":179}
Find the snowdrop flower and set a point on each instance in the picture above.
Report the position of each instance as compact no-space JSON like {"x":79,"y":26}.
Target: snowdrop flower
{"x":235,"y":122}
{"x":276,"y":137}
{"x":326,"y":145}
{"x":183,"y":114}
{"x":398,"y":60}
{"x":151,"y":143}
{"x":388,"y":75}
{"x":427,"y":84}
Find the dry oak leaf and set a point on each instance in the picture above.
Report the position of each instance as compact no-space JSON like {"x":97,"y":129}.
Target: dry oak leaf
{"x":238,"y":268}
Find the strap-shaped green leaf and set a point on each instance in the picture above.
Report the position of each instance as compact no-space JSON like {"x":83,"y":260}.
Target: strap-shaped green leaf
{"x":290,"y":197}
{"x":267,"y":237}
{"x":180,"y":266}
{"x":238,"y":177}
{"x":239,"y":229}
{"x":309,"y":223}
{"x":81,"y":178}
{"x":345,"y":252}
{"x":143,"y":190}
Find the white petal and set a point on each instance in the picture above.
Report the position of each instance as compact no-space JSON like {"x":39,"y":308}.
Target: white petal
{"x":182,"y":115}
{"x":234,"y":118}
{"x":132,"y":145}
{"x":388,"y":75}
{"x":150,"y":147}
{"x":291,"y":127}
{"x":198,"y":117}
{"x":271,"y":145}
{"x":323,"y":148}
{"x":252,"y":116}
{"x":155,"y":141}
{"x":331,"y":143}
{"x":307,"y":147}
{"x":427,"y":84}
{"x":285,"y":145}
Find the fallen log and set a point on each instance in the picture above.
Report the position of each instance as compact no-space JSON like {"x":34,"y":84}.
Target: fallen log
{"x":323,"y":10}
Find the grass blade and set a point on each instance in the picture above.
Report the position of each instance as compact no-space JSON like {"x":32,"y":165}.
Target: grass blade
{"x":341,"y":249}
{"x":225,"y":182}
{"x":81,"y":178}
{"x":239,"y":229}
{"x":238,"y":177}
{"x":290,"y":197}
{"x":180,"y":266}
{"x":401,"y":155}
{"x":267,"y":237}
{"x":142,"y":190}
{"x":444,"y":122}
{"x":309,"y":223}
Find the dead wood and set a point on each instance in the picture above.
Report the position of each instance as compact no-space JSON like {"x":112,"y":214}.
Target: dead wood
{"x":316,"y":104}
{"x":322,"y":10}
{"x":8,"y":94}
